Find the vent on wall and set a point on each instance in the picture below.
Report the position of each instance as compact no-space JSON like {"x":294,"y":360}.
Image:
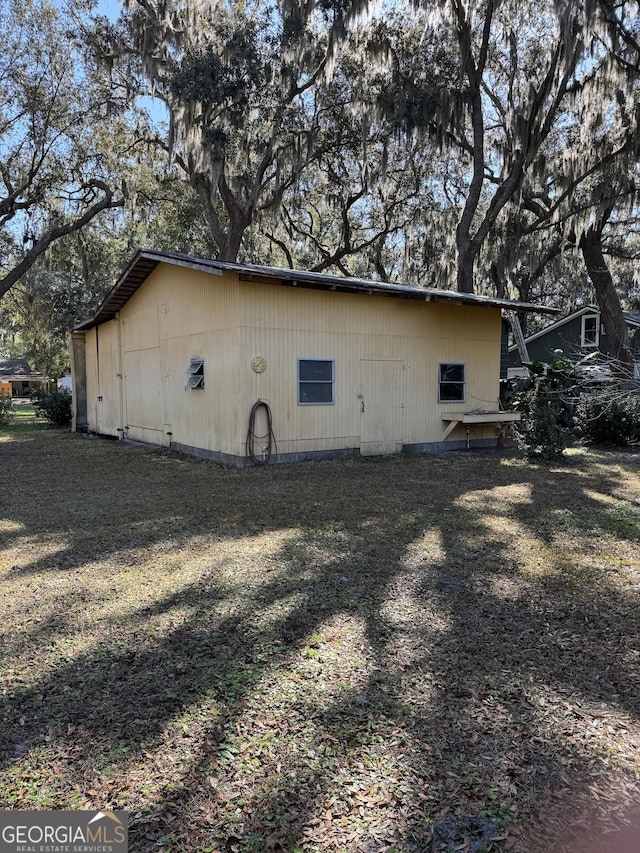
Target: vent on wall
{"x":195,"y":372}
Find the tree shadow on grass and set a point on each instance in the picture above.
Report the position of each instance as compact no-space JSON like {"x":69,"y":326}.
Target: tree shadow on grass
{"x":478,"y":738}
{"x":435,"y":697}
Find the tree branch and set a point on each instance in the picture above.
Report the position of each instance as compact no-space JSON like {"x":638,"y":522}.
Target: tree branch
{"x":54,"y":233}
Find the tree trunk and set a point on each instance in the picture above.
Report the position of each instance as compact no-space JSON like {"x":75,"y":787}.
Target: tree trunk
{"x":617,"y":336}
{"x":466,"y":261}
{"x":231,"y":246}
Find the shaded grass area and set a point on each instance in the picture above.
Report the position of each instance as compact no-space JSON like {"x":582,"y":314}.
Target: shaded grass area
{"x":320,"y":657}
{"x":25,"y":418}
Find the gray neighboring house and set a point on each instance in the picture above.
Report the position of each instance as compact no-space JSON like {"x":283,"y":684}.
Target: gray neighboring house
{"x":24,"y":381}
{"x":577,"y":335}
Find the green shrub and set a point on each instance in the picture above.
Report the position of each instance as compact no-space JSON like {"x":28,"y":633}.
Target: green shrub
{"x":7,"y":412}
{"x":542,"y":431}
{"x":55,"y":407}
{"x":546,"y":405}
{"x":599,"y":420}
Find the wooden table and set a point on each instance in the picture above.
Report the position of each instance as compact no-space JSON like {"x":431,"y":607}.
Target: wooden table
{"x":477,"y":417}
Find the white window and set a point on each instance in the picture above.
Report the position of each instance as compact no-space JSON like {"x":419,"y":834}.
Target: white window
{"x":195,"y":372}
{"x":316,"y":380}
{"x":451,"y":383}
{"x":590,"y":336}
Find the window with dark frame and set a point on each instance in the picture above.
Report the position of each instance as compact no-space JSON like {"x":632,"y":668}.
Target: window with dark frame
{"x":451,"y":384}
{"x":195,"y":372}
{"x":316,"y":377}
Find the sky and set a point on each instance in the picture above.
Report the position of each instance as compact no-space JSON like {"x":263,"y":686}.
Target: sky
{"x":109,"y":8}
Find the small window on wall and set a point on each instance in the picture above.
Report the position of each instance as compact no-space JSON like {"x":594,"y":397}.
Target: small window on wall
{"x":315,"y":382}
{"x":589,"y":331}
{"x":195,"y":372}
{"x":451,"y":383}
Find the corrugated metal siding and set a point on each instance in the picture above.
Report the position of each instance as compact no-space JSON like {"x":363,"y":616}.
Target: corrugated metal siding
{"x":386,"y":353}
{"x":177,"y":315}
{"x":103,"y":381}
{"x":141,"y":368}
{"x":108,"y":416}
{"x":284,"y":324}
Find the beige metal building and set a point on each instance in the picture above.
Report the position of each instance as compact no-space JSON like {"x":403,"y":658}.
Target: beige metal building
{"x":182,"y":349}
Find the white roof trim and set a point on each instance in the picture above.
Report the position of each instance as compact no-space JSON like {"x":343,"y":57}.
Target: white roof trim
{"x":587,"y":309}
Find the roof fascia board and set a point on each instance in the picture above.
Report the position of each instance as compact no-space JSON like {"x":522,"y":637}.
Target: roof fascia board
{"x":213,"y":268}
{"x":146,"y":255}
{"x":349,"y":285}
{"x":296,"y":278}
{"x":93,"y":321}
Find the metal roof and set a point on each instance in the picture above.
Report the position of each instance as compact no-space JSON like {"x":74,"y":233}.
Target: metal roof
{"x":145,"y":261}
{"x":15,"y":367}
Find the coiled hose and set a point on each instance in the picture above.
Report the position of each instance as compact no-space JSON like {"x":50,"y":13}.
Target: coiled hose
{"x":263,"y":456}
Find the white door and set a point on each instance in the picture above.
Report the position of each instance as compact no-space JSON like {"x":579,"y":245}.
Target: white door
{"x":381,"y":406}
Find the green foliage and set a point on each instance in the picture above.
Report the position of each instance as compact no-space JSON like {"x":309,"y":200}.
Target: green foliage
{"x":241,"y":85}
{"x":55,"y":407}
{"x":601,"y":420}
{"x":35,"y":317}
{"x":541,"y":433}
{"x":7,"y":412}
{"x":565,"y":402}
{"x":59,"y":154}
{"x":543,"y":398}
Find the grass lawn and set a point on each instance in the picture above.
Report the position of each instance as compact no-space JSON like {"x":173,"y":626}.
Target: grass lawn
{"x":24,"y":415}
{"x":353,"y":656}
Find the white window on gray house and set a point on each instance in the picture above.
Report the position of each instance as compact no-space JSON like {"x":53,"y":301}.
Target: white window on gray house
{"x":517,"y":372}
{"x":316,"y":381}
{"x":195,"y":372}
{"x":451,"y":382}
{"x":589,"y":336}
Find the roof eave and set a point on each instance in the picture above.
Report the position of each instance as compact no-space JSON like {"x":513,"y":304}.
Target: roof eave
{"x":146,"y":260}
{"x":629,"y":318}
